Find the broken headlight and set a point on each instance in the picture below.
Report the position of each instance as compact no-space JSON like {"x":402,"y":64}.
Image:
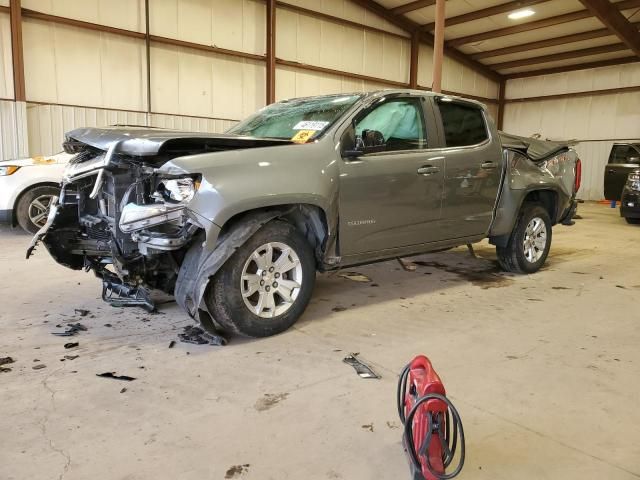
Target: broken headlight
{"x":177,"y":190}
{"x":171,"y":196}
{"x":633,"y":181}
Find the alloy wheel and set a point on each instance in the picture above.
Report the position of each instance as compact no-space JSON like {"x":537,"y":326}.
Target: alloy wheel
{"x":271,"y":279}
{"x":535,"y":240}
{"x":39,"y":209}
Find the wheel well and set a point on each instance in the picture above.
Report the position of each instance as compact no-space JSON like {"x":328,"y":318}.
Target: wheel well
{"x":548,"y":199}
{"x":14,"y":219}
{"x":310,"y":220}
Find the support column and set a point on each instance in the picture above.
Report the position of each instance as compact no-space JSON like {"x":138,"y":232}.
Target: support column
{"x":501,"y":103}
{"x":413,"y":66}
{"x":15,"y":14}
{"x":147,"y":40}
{"x":271,"y":51}
{"x":438,"y":47}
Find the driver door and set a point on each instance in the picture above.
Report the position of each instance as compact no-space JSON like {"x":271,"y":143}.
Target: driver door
{"x":391,"y":193}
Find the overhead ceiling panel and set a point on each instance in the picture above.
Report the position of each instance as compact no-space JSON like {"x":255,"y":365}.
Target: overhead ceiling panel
{"x":573,"y":61}
{"x":532,"y":35}
{"x":596,"y":42}
{"x":542,"y":11}
{"x":453,"y":8}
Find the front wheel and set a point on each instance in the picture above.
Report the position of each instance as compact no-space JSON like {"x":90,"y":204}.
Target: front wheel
{"x":32,"y":209}
{"x":530,"y":241}
{"x":267,"y":283}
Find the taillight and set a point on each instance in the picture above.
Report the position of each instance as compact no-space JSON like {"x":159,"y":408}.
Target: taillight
{"x":578,"y":175}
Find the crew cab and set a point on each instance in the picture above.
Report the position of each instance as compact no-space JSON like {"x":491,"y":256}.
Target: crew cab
{"x":236,"y":225}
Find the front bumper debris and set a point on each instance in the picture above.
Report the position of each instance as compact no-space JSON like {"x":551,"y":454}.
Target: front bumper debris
{"x":53,"y":211}
{"x":118,"y":294}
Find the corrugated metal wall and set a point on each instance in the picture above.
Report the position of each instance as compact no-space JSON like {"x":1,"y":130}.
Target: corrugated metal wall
{"x":594,"y":120}
{"x":48,"y":123}
{"x":77,"y":77}
{"x":6,"y":72}
{"x":13,"y":130}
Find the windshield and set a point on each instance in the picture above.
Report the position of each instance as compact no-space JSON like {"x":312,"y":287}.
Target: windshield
{"x":299,"y":120}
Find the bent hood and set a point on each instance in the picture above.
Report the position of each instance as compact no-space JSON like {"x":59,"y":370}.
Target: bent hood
{"x":145,"y":141}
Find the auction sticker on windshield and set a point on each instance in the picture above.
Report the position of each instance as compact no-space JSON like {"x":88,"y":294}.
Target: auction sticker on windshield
{"x":303,"y":136}
{"x":310,"y":125}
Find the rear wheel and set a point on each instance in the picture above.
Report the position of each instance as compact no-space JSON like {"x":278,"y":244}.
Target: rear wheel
{"x":267,"y":283}
{"x":632,"y":221}
{"x":530,"y":241}
{"x":33,"y":207}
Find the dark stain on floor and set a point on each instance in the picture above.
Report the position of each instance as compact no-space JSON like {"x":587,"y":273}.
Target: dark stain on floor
{"x":487,"y":276}
{"x":237,"y":470}
{"x":269,"y":400}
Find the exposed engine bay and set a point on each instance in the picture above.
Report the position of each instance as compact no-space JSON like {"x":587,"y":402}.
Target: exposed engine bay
{"x":119,"y":216}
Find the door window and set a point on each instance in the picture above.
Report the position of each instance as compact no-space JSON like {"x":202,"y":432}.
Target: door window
{"x":624,"y":154}
{"x":463,"y":125}
{"x":400,"y":123}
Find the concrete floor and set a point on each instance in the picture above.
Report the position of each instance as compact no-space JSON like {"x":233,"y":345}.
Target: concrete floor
{"x":543,"y":369}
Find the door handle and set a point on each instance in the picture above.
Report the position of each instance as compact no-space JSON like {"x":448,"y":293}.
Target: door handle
{"x":611,"y":171}
{"x":428,"y":170}
{"x":488,"y":165}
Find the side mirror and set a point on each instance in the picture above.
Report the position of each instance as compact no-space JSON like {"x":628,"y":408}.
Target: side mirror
{"x":371,"y":141}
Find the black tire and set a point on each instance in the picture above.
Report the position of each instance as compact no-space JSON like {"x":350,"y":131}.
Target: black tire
{"x":25,"y":205}
{"x":512,"y":257}
{"x":224,"y":297}
{"x":632,"y":221}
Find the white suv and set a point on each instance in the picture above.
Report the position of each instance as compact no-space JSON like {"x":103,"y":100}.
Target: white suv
{"x":27,"y":187}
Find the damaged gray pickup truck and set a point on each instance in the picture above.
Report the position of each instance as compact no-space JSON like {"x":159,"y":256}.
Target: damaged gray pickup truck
{"x":236,"y":225}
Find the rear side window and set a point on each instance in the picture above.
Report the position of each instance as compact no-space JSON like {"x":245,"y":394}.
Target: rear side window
{"x":463,"y":125}
{"x":624,"y":154}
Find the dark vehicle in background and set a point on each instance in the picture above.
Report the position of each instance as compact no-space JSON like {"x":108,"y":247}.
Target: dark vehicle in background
{"x":623,"y":160}
{"x":630,"y":199}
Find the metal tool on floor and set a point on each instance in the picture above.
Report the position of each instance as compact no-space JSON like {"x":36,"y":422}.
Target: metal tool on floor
{"x":432,"y":427}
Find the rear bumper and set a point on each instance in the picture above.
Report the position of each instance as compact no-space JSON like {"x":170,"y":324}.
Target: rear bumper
{"x":630,"y":205}
{"x":6,"y":216}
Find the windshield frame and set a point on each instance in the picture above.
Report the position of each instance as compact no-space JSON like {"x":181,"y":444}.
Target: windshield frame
{"x":357,"y":99}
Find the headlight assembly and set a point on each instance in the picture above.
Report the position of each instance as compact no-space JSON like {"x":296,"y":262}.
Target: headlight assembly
{"x":633,"y":181}
{"x":8,"y":170}
{"x":178,"y":190}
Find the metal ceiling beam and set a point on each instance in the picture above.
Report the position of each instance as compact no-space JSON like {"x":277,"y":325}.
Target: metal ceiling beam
{"x":486,"y":12}
{"x":410,"y":7}
{"x":528,"y":26}
{"x":410,"y":26}
{"x":572,"y":68}
{"x":549,"y":42}
{"x":585,"y":52}
{"x":616,"y":22}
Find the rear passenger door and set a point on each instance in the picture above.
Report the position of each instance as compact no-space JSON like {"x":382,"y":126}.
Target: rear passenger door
{"x":622,"y":160}
{"x":473,"y":168}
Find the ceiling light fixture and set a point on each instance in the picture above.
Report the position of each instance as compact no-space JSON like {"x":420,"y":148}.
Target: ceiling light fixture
{"x":521,"y":14}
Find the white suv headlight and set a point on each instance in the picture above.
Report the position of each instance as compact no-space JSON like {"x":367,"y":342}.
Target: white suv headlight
{"x":8,"y":170}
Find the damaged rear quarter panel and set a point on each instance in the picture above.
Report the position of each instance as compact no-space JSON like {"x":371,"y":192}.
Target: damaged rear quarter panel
{"x":525,"y":176}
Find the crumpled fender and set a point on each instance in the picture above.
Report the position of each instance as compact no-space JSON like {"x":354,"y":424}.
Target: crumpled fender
{"x":200,"y":264}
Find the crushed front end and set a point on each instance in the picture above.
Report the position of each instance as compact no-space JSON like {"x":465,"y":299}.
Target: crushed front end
{"x":120,"y":217}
